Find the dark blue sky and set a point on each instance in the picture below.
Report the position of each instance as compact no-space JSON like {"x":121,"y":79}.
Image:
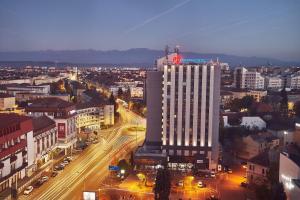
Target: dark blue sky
{"x":269,"y":28}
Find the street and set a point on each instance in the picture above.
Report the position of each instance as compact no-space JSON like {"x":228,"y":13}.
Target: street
{"x":91,"y":166}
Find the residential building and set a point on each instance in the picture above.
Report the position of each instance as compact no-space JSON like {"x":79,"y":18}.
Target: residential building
{"x":294,"y":81}
{"x":28,"y":96}
{"x":16,"y":151}
{"x":252,"y":146}
{"x":45,"y":139}
{"x":274,"y":83}
{"x":7,"y":102}
{"x":14,"y":89}
{"x":137,"y":92}
{"x":244,"y":78}
{"x":258,"y":167}
{"x":64,"y":115}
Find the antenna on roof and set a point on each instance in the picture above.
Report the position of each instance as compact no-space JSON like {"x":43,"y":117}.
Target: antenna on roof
{"x":167,"y":51}
{"x":176,"y":49}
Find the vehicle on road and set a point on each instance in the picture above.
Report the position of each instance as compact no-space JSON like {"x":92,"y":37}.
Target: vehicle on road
{"x":200,"y":184}
{"x":180,"y":183}
{"x":65,"y":162}
{"x":44,"y":179}
{"x":212,"y":174}
{"x":229,"y":171}
{"x":244,"y":184}
{"x":95,"y":141}
{"x":212,"y":197}
{"x":53,"y":174}
{"x":38,"y":184}
{"x":59,"y":167}
{"x":28,"y":190}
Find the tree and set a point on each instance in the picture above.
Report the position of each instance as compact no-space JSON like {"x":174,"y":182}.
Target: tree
{"x":124,"y":165}
{"x":120,"y":93}
{"x":284,"y":103}
{"x":162,"y":186}
{"x":296,"y":108}
{"x":247,"y":101}
{"x":235,"y":105}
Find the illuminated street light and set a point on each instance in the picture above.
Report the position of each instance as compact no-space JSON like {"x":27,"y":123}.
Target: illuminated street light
{"x":122,"y":171}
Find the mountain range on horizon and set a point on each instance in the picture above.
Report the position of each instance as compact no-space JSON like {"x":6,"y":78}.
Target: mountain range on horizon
{"x":137,"y":56}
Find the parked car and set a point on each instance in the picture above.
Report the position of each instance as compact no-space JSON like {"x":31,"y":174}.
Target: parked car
{"x":180,"y":183}
{"x":28,"y":190}
{"x":69,"y":158}
{"x":212,"y":174}
{"x":53,"y":174}
{"x":95,"y":141}
{"x":38,"y":184}
{"x":59,"y":167}
{"x":200,"y":184}
{"x":229,"y":171}
{"x":244,"y":184}
{"x":65,"y":162}
{"x":44,"y":179}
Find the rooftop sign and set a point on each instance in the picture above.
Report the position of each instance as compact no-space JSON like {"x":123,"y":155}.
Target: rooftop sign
{"x":179,"y":60}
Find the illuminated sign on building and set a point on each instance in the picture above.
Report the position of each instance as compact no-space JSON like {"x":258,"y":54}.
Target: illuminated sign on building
{"x":179,"y":60}
{"x":61,"y":133}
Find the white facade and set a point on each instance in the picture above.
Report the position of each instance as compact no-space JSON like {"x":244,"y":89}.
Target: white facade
{"x":191,"y":96}
{"x":7,"y":102}
{"x":295,"y":81}
{"x":289,"y":170}
{"x":137,"y":92}
{"x":108,"y":113}
{"x":248,"y":79}
{"x":44,"y":89}
{"x":274,"y":83}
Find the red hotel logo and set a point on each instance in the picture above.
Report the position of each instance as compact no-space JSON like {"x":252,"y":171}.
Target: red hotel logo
{"x":177,"y":59}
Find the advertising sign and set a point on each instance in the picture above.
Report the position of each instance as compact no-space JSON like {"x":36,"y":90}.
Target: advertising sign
{"x":179,"y":60}
{"x":61,"y":130}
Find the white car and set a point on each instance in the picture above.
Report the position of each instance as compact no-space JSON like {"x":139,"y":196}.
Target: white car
{"x":200,"y":184}
{"x":44,"y":179}
{"x":180,"y":183}
{"x":212,"y":174}
{"x":28,"y":190}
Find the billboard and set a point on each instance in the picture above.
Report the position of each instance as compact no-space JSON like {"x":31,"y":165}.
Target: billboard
{"x":61,"y":130}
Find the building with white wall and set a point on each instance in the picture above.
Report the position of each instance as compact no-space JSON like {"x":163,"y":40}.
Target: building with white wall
{"x":7,"y":101}
{"x":294,"y":81}
{"x":16,"y":150}
{"x":289,"y":171}
{"x":244,"y":78}
{"x":274,"y":83}
{"x":190,"y":114}
{"x":45,"y":139}
{"x":64,"y":115}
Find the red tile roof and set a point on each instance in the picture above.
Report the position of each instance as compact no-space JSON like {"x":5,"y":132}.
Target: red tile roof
{"x":7,"y":120}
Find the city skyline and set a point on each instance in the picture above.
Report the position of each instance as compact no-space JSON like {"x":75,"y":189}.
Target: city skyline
{"x":264,"y":29}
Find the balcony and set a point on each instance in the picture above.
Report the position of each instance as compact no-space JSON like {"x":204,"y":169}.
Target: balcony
{"x":11,"y":150}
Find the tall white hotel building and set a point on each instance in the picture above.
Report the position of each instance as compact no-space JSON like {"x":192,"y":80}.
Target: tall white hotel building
{"x":190,"y":113}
